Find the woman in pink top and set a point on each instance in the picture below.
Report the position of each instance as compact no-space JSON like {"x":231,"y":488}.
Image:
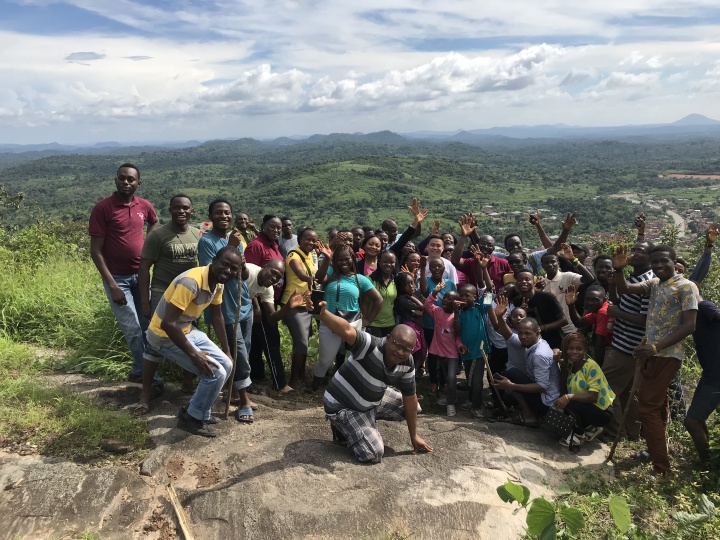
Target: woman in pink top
{"x":445,"y":342}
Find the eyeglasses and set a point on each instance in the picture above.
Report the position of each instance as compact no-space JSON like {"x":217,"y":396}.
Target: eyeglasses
{"x":400,"y":346}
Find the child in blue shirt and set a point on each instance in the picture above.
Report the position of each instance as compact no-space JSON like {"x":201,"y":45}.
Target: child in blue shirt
{"x":470,"y":325}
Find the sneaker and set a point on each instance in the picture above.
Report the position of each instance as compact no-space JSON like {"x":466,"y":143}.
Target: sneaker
{"x":577,"y":439}
{"x":338,"y":437}
{"x":442,"y":402}
{"x":465,"y":406}
{"x":451,"y":410}
{"x":433,"y":390}
{"x":135,"y":378}
{"x":463,"y":385}
{"x":592,"y":432}
{"x":477,"y":413}
{"x":213,"y":420}
{"x":193,"y":425}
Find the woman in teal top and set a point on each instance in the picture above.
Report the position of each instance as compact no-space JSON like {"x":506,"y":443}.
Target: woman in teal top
{"x":586,"y":394}
{"x":384,"y":280}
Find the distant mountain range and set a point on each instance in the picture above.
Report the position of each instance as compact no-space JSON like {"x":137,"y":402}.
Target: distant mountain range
{"x":691,"y":126}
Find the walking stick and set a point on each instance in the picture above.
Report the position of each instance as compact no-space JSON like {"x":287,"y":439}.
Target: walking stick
{"x":631,"y":402}
{"x":490,"y":374}
{"x":235,"y":355}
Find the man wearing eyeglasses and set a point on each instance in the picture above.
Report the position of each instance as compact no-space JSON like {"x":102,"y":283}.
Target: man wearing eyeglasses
{"x":363,"y":390}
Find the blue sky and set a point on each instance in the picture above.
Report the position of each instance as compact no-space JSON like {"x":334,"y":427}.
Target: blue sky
{"x":82,"y":71}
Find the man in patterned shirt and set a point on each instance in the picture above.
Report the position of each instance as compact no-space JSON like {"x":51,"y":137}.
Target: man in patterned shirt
{"x":361,"y":391}
{"x":672,"y":313}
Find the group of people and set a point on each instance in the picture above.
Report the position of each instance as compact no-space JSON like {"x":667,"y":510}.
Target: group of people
{"x":543,"y":328}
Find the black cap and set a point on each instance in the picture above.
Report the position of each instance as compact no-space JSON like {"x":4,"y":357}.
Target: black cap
{"x":581,"y":247}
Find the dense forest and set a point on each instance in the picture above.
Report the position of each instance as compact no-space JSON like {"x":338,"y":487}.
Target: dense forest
{"x":359,"y":179}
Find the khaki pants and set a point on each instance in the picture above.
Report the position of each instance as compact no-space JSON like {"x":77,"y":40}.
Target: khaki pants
{"x":619,"y":370}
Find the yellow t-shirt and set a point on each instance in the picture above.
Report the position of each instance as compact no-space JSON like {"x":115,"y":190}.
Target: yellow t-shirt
{"x":191,"y":293}
{"x":292,"y":282}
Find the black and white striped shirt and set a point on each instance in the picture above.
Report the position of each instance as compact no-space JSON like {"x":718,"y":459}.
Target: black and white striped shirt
{"x":627,"y":336}
{"x":360,"y":382}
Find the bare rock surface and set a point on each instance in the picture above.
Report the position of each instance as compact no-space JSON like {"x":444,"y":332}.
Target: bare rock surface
{"x":281,"y":477}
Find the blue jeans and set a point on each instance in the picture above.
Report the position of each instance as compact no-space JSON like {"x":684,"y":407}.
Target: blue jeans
{"x":131,"y":321}
{"x":243,"y":341}
{"x":209,"y":387}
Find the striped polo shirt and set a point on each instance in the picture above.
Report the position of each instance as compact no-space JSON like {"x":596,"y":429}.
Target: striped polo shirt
{"x":627,"y":336}
{"x":191,"y":293}
{"x":360,"y":382}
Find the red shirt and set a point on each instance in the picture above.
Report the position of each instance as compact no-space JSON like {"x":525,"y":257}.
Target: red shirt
{"x":122,"y":226}
{"x":601,"y":320}
{"x":260,"y":251}
{"x":497,"y":268}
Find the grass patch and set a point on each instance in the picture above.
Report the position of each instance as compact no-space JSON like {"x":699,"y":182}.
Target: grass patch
{"x":38,"y":416}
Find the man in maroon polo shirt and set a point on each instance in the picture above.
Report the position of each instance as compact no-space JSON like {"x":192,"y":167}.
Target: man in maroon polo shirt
{"x":497,"y":267}
{"x":116,"y":229}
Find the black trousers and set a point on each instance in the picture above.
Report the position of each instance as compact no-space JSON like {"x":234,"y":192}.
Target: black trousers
{"x":266,"y":340}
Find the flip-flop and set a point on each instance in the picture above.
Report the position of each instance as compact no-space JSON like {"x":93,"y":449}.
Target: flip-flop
{"x":518,"y":420}
{"x":245,"y":415}
{"x":238,"y":401}
{"x":141,"y":409}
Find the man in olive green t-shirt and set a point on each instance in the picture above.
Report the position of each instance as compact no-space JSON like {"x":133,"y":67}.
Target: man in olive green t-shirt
{"x":170,"y":250}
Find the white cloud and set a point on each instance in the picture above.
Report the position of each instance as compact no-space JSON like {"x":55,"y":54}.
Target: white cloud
{"x":220,"y":69}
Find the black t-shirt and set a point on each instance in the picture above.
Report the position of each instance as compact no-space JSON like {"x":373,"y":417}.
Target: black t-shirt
{"x":707,"y":341}
{"x":546,"y":309}
{"x":404,"y":308}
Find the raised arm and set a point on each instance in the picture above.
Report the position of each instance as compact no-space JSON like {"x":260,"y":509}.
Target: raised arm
{"x":535,"y":221}
{"x":567,"y":226}
{"x":337,"y":325}
{"x":620,"y":261}
{"x":571,"y":297}
{"x":702,"y":267}
{"x":321,"y":274}
{"x":567,"y":254}
{"x":411,"y":232}
{"x":500,"y":324}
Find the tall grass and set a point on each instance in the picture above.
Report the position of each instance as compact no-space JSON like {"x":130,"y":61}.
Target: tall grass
{"x":53,"y":419}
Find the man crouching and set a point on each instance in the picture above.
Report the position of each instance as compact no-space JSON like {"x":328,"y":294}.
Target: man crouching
{"x":172,"y":335}
{"x":362,"y":392}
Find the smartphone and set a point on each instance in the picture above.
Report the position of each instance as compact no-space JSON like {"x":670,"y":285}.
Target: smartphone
{"x":497,"y":376}
{"x":316,"y":297}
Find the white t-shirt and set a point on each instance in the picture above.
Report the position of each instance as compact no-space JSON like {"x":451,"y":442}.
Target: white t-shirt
{"x":450,"y":274}
{"x":264,"y":294}
{"x":557,"y":287}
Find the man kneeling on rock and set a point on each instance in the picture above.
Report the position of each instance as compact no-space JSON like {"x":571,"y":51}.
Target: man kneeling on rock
{"x":362,"y":392}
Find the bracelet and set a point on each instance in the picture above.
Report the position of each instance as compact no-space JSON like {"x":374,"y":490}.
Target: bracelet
{"x":654,"y":348}
{"x":575,"y":261}
{"x":567,"y":396}
{"x":618,"y":270}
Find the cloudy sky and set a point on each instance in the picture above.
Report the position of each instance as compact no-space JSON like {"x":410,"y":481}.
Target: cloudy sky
{"x":81,"y":71}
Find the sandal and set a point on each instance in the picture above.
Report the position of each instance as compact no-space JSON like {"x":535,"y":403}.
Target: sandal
{"x":141,"y":409}
{"x":518,"y":420}
{"x":244,"y":415}
{"x":237,"y":401}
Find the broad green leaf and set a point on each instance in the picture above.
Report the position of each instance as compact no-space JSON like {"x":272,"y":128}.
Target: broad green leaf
{"x":540,"y":516}
{"x":690,"y":523}
{"x":573,"y":519}
{"x":512,"y":492}
{"x":620,"y":512}
{"x":504,"y":495}
{"x":550,"y":533}
{"x":706,"y":506}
